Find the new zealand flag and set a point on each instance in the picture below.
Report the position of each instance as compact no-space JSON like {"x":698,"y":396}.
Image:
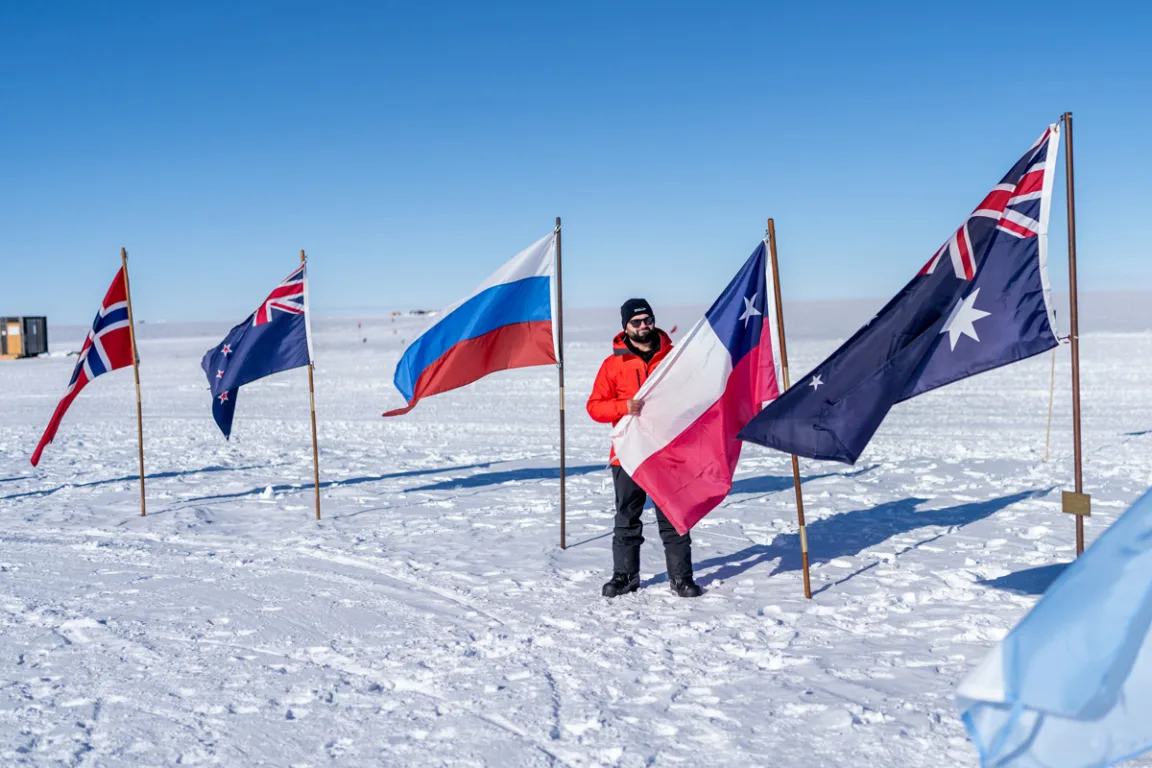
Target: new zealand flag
{"x":274,"y":338}
{"x":979,"y":303}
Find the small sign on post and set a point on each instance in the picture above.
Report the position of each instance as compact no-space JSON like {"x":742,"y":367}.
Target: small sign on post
{"x":1077,"y":504}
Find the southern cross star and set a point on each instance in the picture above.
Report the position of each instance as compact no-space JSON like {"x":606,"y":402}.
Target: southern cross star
{"x":815,"y":383}
{"x":750,"y":310}
{"x":962,"y":319}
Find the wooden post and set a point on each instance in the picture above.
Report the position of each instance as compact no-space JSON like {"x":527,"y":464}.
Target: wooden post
{"x":136,"y":373}
{"x":560,"y":370}
{"x":784,"y":366}
{"x":1051,"y":399}
{"x":312,"y":405}
{"x":1077,"y":503}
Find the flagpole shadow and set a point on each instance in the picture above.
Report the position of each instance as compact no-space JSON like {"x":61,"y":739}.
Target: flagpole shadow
{"x":604,"y":535}
{"x":769,"y":484}
{"x":131,"y":478}
{"x":848,"y":534}
{"x":1030,"y":581}
{"x":337,"y":483}
{"x":507,"y":476}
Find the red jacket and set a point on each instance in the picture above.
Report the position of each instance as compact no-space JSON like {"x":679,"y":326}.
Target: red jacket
{"x":620,"y":378}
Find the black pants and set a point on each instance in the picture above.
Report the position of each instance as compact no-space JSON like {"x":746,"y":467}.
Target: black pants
{"x":629,"y":536}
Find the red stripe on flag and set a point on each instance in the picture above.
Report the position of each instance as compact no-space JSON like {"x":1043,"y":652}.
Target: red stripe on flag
{"x":117,"y":346}
{"x":965,"y":253}
{"x":1032,"y":182}
{"x":689,"y":476}
{"x":996,"y":200}
{"x":116,"y":292}
{"x":519,"y":345}
{"x":58,"y":416}
{"x":932,"y":262}
{"x":1012,"y":226}
{"x":286,"y":290}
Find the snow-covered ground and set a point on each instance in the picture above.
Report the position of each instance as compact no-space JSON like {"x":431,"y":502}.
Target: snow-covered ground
{"x":431,"y":617}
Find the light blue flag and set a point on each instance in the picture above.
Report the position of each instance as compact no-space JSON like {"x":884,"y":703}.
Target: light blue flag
{"x":1071,"y":684}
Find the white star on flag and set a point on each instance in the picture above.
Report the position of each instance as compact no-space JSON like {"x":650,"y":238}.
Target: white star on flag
{"x":960,"y":323}
{"x":219,"y":373}
{"x":750,"y":311}
{"x":815,"y":383}
{"x":227,"y":349}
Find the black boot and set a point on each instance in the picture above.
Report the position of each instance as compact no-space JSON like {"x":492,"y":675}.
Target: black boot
{"x":621,"y":584}
{"x":685,"y":587}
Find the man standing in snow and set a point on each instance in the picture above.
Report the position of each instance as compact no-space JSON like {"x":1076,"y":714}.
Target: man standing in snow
{"x":636,"y":351}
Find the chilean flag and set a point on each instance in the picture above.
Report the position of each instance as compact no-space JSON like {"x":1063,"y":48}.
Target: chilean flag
{"x":682,"y":448}
{"x":505,"y":323}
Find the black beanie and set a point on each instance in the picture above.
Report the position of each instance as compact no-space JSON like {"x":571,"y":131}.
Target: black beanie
{"x":633,"y":307}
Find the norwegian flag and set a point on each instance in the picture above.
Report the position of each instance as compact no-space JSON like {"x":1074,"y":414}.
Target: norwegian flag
{"x":107,"y":347}
{"x":990,"y":309}
{"x":274,"y":338}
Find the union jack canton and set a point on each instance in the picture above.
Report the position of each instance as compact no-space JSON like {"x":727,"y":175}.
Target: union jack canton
{"x":1013,"y":207}
{"x":276,"y":337}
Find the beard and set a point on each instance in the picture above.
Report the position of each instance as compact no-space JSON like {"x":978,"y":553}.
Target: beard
{"x":641,"y":335}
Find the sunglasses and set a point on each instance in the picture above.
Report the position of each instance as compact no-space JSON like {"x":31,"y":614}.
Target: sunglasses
{"x":641,"y":322}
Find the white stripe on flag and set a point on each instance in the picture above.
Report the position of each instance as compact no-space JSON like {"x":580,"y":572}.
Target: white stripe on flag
{"x":98,"y":348}
{"x":112,"y":327}
{"x":537,"y":260}
{"x":1022,"y":220}
{"x":770,"y":327}
{"x":684,"y":386}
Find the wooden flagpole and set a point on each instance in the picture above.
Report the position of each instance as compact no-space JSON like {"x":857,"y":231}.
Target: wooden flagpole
{"x":136,"y":373}
{"x":560,"y":370}
{"x":784,"y":366}
{"x":312,"y":405}
{"x":1077,"y":503}
{"x":1051,"y":399}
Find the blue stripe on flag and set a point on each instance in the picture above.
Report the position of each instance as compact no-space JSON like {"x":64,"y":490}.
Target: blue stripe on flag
{"x":115,"y":316}
{"x":737,"y":317}
{"x":1029,"y":208}
{"x":95,"y":364}
{"x":523,"y":301}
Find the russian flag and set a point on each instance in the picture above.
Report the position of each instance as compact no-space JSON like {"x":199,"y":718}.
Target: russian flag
{"x":505,"y":323}
{"x":682,"y":448}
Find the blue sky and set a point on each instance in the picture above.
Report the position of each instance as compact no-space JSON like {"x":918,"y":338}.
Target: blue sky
{"x":412,"y":148}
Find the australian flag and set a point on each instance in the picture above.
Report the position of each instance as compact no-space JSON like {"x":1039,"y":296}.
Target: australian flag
{"x":274,"y":338}
{"x":979,"y":303}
